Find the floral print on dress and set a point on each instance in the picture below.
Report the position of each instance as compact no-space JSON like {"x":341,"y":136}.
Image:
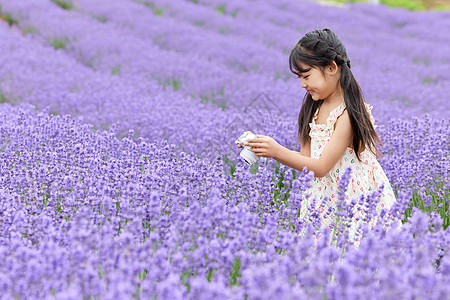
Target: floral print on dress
{"x":366,"y":175}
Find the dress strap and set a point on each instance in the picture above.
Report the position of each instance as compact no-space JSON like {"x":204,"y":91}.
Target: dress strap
{"x":332,"y":118}
{"x":334,"y":115}
{"x":369,"y":110}
{"x":316,"y":113}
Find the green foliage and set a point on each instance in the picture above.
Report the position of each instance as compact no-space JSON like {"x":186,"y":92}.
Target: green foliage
{"x":59,"y":43}
{"x":209,"y":274}
{"x":101,"y":19}
{"x":143,"y":274}
{"x":234,"y":274}
{"x":7,"y":98}
{"x":186,"y":274}
{"x":175,"y":83}
{"x":156,"y":10}
{"x":282,"y":187}
{"x":8,"y":18}
{"x":212,"y":98}
{"x":408,"y":4}
{"x":416,"y":5}
{"x":230,"y":163}
{"x":117,"y":207}
{"x":28,"y":29}
{"x":64,"y":4}
{"x":143,"y":159}
{"x":141,"y":277}
{"x":438,"y":204}
{"x":254,"y":169}
{"x":221,"y":9}
{"x":442,"y":7}
{"x":427,"y":80}
{"x":100,"y":271}
{"x":45,"y":199}
{"x":3,"y":98}
{"x":115,"y":70}
{"x":223,"y":105}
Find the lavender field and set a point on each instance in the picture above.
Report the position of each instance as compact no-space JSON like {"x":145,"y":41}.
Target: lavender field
{"x":120,"y":178}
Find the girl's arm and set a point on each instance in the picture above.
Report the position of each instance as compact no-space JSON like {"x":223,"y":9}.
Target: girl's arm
{"x":334,"y":149}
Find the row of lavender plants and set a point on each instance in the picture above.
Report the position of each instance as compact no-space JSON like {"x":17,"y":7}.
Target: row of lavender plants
{"x":175,"y":226}
{"x":136,"y":103}
{"x":178,"y":48}
{"x":155,"y":112}
{"x":85,"y":215}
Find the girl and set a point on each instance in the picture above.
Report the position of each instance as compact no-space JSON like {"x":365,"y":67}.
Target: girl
{"x":335,"y":126}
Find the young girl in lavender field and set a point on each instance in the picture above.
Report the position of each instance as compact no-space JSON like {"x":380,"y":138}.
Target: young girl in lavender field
{"x":335,"y":127}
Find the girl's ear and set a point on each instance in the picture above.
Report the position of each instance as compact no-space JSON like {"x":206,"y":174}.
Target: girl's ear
{"x":331,"y":69}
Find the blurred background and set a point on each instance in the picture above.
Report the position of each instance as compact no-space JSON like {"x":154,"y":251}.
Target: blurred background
{"x":408,"y":4}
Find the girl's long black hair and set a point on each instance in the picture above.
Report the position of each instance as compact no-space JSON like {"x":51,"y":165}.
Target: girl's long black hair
{"x":319,"y":48}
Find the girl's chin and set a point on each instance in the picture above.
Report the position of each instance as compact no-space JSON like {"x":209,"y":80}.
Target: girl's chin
{"x":314,"y":96}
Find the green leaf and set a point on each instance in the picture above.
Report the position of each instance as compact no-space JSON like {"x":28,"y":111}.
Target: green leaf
{"x":221,"y":9}
{"x":64,"y":4}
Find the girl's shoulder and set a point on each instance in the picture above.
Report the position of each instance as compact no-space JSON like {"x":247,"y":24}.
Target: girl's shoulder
{"x":332,"y":115}
{"x":341,"y":109}
{"x":369,"y":108}
{"x":336,"y":113}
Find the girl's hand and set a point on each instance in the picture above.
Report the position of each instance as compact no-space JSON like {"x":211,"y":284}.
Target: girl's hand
{"x":237,"y":143}
{"x":264,"y":146}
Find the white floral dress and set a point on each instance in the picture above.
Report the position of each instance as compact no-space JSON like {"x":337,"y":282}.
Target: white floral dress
{"x":366,"y":175}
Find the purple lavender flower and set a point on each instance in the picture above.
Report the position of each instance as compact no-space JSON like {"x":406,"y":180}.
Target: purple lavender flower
{"x":120,"y":180}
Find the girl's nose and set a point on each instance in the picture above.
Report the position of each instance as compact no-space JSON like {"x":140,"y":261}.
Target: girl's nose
{"x":303,"y":84}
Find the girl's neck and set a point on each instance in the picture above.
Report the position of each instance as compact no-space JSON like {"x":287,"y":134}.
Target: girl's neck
{"x":336,"y":98}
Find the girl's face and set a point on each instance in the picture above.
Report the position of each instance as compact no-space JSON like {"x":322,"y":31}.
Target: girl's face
{"x":320,"y":84}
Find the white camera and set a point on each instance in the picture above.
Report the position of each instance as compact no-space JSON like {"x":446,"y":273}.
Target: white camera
{"x":248,"y":155}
